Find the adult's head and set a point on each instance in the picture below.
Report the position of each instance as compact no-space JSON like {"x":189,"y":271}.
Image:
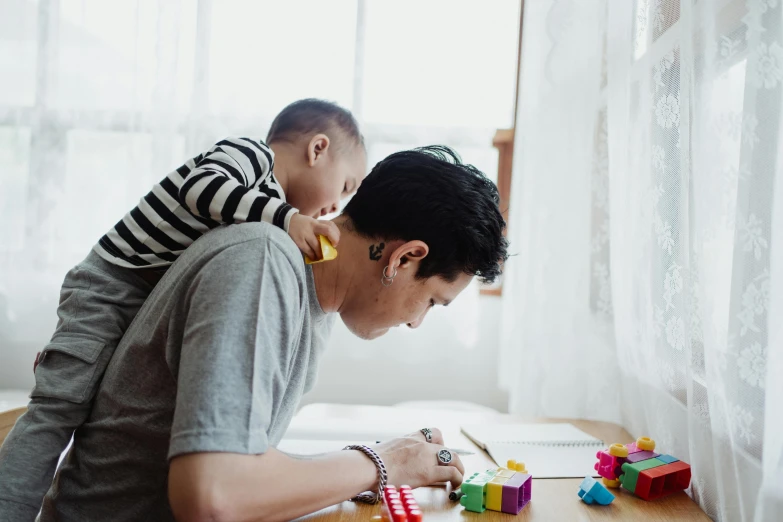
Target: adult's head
{"x":319,"y":154}
{"x":428,"y":222}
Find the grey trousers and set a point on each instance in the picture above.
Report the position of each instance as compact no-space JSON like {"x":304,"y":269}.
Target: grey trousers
{"x":98,"y":301}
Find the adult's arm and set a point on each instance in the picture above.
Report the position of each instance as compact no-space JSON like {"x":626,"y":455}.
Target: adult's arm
{"x":274,"y":486}
{"x":267,"y":487}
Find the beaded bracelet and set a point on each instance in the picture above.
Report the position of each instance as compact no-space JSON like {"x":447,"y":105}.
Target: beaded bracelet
{"x":371,"y":498}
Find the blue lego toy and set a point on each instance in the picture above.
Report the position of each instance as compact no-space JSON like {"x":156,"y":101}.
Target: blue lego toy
{"x":592,"y":491}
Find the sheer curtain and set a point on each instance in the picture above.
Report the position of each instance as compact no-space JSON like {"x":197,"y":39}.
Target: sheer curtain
{"x":99,"y":100}
{"x":647,"y":211}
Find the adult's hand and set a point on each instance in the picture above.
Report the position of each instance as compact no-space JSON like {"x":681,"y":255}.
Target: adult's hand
{"x":412,"y":461}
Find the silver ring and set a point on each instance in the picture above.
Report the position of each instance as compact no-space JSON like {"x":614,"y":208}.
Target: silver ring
{"x":427,"y":434}
{"x":444,"y":457}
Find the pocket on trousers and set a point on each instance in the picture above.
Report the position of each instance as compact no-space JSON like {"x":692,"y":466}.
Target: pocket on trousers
{"x":67,"y":369}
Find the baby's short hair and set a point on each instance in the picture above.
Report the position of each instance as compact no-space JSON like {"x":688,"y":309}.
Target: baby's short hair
{"x":304,"y":118}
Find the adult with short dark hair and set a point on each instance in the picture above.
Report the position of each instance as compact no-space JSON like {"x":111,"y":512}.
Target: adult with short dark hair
{"x":207,"y":378}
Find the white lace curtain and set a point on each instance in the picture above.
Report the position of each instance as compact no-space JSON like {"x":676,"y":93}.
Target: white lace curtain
{"x":99,"y":99}
{"x":647,"y":211}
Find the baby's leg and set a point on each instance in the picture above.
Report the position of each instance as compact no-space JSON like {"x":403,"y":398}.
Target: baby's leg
{"x":97,"y":304}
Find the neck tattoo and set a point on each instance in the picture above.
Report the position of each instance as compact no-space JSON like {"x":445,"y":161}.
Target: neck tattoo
{"x":375,"y":251}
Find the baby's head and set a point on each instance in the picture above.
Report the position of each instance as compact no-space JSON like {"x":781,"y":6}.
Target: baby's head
{"x":319,"y":155}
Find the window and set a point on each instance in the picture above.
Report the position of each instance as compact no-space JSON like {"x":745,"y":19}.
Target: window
{"x":108,"y":97}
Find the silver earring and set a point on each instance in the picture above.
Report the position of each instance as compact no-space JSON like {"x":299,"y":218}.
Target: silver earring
{"x":388,"y":280}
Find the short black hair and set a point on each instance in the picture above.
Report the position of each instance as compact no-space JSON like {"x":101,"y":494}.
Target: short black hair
{"x":304,"y":118}
{"x":429,"y":194}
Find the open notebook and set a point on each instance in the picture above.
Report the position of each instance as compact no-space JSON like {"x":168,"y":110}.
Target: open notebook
{"x":307,"y":437}
{"x":548,"y":450}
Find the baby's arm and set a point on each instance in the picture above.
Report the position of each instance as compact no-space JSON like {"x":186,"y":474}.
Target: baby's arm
{"x":220,"y":188}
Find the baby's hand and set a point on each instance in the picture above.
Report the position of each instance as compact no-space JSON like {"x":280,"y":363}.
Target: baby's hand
{"x":305,"y":230}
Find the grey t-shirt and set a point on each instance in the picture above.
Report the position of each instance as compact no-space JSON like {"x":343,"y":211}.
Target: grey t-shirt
{"x":216,"y":361}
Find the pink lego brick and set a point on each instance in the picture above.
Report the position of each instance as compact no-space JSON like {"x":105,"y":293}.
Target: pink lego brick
{"x":632,"y":448}
{"x":608,"y":466}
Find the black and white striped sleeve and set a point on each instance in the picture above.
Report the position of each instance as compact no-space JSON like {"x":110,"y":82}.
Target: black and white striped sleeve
{"x":220,"y":187}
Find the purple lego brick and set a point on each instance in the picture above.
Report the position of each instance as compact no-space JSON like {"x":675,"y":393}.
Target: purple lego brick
{"x":640,"y":455}
{"x":516,"y":493}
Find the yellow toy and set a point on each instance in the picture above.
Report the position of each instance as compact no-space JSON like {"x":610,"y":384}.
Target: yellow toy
{"x":328,"y":252}
{"x":502,"y":489}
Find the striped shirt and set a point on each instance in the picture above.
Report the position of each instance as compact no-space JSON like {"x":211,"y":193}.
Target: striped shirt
{"x":232,"y":183}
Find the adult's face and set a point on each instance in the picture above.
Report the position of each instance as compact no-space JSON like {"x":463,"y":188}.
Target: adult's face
{"x":371,"y":308}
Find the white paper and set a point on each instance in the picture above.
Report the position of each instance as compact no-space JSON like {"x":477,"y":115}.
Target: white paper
{"x":342,"y":429}
{"x":483,"y":434}
{"x":548,"y":461}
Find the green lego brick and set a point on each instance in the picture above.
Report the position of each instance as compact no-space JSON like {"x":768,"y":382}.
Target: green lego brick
{"x":631,"y":472}
{"x":474,"y":491}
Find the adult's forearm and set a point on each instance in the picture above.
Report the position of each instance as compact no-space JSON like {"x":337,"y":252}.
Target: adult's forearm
{"x":268,"y":487}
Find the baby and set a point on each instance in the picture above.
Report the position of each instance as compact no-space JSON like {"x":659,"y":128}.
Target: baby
{"x":313,"y":157}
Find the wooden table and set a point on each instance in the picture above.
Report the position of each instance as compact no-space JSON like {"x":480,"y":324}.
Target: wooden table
{"x":552,"y":499}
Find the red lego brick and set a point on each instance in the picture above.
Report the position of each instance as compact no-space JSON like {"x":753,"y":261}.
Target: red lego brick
{"x":664,"y":480}
{"x":400,"y":506}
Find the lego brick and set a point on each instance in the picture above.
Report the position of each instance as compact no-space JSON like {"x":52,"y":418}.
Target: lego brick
{"x":505,"y":473}
{"x":474,"y":491}
{"x":617,"y":450}
{"x":632,"y":448}
{"x":513,"y":465}
{"x":639,"y":456}
{"x":592,"y":491}
{"x":473,"y":496}
{"x":668,"y":459}
{"x":645,"y":444}
{"x":400,"y":506}
{"x":631,"y":472}
{"x":516,"y":493}
{"x":517,"y":480}
{"x":663,"y":480}
{"x":328,"y":252}
{"x":608,"y":466}
{"x":495,"y":492}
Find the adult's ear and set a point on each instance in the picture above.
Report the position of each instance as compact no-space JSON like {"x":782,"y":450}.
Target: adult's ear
{"x":409,"y":253}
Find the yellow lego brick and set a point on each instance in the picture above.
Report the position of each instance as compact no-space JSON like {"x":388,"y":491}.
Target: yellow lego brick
{"x":645,"y":443}
{"x":495,"y":493}
{"x":618,"y":450}
{"x":505,"y":473}
{"x":328,"y":252}
{"x":513,"y":465}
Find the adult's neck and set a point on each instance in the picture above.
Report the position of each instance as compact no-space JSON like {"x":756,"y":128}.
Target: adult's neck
{"x":334,"y":279}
